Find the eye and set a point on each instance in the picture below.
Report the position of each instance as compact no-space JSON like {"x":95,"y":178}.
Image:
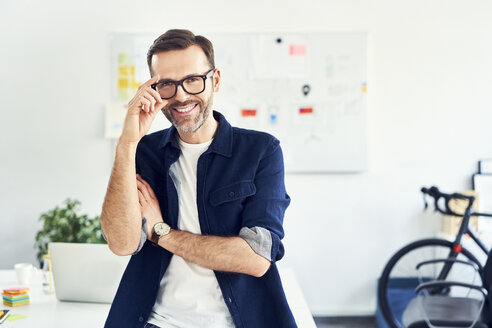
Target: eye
{"x":192,"y":79}
{"x":166,"y":83}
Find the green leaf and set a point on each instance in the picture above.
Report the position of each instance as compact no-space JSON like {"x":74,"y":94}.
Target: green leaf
{"x":66,"y":224}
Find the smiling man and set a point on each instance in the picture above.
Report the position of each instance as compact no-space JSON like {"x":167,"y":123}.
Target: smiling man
{"x":199,"y":206}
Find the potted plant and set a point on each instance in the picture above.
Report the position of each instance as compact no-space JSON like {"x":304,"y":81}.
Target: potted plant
{"x":65,"y":224}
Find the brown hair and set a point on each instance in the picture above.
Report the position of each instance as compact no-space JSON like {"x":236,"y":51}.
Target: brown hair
{"x":176,"y":39}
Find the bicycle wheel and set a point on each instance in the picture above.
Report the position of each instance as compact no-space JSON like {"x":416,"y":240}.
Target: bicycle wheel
{"x":397,"y":284}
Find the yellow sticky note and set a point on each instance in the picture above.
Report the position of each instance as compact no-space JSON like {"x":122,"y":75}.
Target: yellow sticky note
{"x":135,"y":84}
{"x":123,"y":83}
{"x":123,"y":71}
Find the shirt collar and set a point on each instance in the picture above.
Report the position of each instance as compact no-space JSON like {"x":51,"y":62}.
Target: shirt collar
{"x":222,"y":143}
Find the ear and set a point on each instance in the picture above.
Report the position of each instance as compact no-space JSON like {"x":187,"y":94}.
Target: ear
{"x":216,"y":79}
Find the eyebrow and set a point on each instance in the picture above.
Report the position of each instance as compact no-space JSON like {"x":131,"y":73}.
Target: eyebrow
{"x":187,"y":76}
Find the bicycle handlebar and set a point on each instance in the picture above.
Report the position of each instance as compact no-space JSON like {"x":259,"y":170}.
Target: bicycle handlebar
{"x":437,"y":195}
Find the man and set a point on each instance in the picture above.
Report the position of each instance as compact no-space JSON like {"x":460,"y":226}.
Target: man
{"x":199,"y":205}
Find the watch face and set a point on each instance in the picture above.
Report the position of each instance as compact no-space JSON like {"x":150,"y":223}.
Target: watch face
{"x":161,"y":228}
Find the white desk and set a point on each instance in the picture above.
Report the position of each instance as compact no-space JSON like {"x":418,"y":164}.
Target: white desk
{"x":45,"y":311}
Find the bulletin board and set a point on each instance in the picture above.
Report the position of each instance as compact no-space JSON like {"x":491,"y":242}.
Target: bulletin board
{"x":308,"y":90}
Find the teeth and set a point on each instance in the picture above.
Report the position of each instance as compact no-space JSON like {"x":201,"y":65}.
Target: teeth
{"x":184,"y":110}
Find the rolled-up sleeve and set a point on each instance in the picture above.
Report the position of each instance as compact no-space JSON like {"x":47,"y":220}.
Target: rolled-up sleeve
{"x":259,"y":239}
{"x":143,"y":235}
{"x":263,"y":213}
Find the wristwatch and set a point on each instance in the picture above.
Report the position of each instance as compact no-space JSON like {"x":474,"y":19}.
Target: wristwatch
{"x":160,"y":229}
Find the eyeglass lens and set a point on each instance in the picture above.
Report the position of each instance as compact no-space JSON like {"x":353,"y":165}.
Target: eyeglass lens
{"x":192,"y":85}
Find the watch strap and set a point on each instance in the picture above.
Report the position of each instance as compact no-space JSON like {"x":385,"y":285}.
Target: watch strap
{"x":154,"y":238}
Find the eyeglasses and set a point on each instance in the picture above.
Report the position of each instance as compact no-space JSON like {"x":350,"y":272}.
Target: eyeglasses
{"x":192,"y":85}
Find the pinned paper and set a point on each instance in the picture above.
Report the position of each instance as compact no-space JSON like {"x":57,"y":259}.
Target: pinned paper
{"x":306,"y":110}
{"x":127,"y":84}
{"x":364,"y":87}
{"x":248,"y":112}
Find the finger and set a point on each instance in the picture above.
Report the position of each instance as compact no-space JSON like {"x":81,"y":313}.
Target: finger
{"x":149,"y":188}
{"x":143,"y":188}
{"x":151,"y":99}
{"x":148,"y":83}
{"x":141,"y":198}
{"x":145,"y":104}
{"x":155,"y":94}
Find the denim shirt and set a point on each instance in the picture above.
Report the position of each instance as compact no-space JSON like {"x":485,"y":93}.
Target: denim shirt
{"x":240,"y":190}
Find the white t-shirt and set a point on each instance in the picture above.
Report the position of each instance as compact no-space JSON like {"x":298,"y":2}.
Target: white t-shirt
{"x":189,"y":295}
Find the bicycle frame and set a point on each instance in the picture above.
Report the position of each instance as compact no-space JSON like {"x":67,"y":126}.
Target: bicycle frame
{"x":464,"y":227}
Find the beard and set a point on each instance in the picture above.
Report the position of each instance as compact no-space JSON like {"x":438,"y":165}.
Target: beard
{"x":191,"y":123}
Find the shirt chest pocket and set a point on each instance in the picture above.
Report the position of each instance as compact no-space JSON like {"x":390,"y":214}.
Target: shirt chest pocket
{"x":232,"y":193}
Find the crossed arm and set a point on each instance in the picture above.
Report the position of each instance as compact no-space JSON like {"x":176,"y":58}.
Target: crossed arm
{"x":229,"y":254}
{"x":128,"y":199}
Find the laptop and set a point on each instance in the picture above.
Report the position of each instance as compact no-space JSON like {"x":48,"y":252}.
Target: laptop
{"x":86,"y":272}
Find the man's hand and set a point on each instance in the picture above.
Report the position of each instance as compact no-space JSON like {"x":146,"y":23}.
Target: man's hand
{"x":149,"y":205}
{"x":142,"y":110}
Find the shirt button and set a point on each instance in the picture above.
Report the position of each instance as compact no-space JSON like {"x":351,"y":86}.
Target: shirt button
{"x":231,"y":194}
{"x":140,"y":319}
{"x":230,"y":300}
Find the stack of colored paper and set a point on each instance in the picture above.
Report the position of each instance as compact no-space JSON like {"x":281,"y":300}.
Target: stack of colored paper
{"x":15,"y":296}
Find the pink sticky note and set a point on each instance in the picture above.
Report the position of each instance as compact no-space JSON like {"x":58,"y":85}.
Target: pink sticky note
{"x":297,"y":50}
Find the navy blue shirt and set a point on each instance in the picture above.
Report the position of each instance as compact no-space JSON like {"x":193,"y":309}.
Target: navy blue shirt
{"x":240,"y":184}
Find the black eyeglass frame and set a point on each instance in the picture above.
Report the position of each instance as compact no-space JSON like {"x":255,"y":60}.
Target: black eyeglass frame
{"x":180,"y":83}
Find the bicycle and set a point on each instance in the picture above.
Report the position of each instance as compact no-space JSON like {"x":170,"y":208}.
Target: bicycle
{"x":398,"y":281}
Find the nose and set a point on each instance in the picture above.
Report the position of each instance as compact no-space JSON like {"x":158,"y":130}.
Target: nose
{"x":180,"y":95}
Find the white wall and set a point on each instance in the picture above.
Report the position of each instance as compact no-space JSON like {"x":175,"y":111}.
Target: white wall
{"x":428,"y":121}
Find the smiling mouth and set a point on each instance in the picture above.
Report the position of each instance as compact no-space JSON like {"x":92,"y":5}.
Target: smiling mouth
{"x":185,"y":109}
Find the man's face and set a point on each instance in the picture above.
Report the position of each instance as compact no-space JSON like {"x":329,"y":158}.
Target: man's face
{"x":186,"y":112}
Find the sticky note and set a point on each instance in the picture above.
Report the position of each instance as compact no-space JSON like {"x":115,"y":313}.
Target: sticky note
{"x":297,"y":50}
{"x":364,"y":87}
{"x":123,"y":70}
{"x":306,"y":110}
{"x":14,"y":317}
{"x":135,"y":84}
{"x":123,"y":83}
{"x":248,"y":112}
{"x":17,"y":290}
{"x":123,"y":58}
